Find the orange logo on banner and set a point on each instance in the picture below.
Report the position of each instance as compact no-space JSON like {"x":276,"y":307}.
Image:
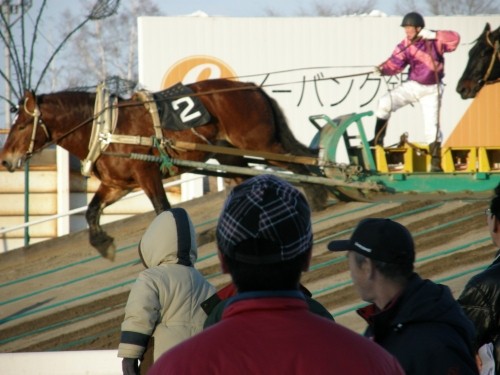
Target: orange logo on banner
{"x":196,"y":68}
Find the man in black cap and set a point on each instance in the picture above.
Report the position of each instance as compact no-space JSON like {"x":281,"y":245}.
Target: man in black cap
{"x":416,"y":320}
{"x":264,"y":238}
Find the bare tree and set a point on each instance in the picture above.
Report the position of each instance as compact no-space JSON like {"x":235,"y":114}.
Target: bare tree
{"x":106,"y":49}
{"x":322,"y":9}
{"x":271,"y":12}
{"x":332,"y":8}
{"x":449,"y":7}
{"x":358,"y":7}
{"x":20,"y":36}
{"x":406,"y":6}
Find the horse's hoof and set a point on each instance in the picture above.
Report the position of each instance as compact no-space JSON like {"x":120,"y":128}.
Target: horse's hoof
{"x":110,"y":252}
{"x":105,"y":245}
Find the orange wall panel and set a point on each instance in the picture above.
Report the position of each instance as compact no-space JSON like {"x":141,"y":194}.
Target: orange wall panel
{"x":480,"y":124}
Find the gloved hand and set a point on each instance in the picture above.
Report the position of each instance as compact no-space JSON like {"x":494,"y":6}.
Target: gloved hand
{"x":376,"y":71}
{"x":130,"y":366}
{"x":427,"y":34}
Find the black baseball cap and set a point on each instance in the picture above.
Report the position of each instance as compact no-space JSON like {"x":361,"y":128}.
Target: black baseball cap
{"x":379,"y":239}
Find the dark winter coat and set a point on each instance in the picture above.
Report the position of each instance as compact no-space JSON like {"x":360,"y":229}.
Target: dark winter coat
{"x":480,"y":300}
{"x":425,"y":329}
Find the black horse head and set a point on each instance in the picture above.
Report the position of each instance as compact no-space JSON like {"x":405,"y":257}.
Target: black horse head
{"x":483,"y":65}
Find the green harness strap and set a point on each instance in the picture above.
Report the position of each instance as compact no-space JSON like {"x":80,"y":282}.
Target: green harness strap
{"x":166,"y":162}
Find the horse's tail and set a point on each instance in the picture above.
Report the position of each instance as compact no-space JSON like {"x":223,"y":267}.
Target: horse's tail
{"x":316,"y":194}
{"x":285,"y":135}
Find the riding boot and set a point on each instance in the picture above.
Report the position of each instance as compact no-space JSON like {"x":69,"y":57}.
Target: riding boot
{"x":435,"y":151}
{"x":380,"y":129}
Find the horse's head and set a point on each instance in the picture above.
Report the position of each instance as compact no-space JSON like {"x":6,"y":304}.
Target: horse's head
{"x":483,"y":65}
{"x":27,"y":134}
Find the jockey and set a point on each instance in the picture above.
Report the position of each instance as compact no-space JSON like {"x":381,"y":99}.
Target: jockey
{"x":422,"y":50}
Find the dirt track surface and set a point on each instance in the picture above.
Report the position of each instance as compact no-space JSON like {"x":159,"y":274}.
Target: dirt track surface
{"x":61,"y":295}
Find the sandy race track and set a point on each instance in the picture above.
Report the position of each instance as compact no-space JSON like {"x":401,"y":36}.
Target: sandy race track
{"x":60,"y":295}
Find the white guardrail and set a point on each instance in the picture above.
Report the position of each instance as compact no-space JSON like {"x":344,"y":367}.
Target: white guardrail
{"x":84,"y":208}
{"x":84,"y":362}
{"x":191,"y":187}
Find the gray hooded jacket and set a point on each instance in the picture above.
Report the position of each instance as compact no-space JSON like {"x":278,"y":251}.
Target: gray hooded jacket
{"x":165,"y":300}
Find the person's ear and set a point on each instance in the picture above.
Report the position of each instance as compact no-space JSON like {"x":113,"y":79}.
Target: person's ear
{"x":496,"y":224}
{"x":494,"y":228}
{"x":222,"y":260}
{"x":368,"y":268}
{"x":307,"y":263}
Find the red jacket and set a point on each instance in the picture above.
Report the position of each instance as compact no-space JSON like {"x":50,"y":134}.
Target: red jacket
{"x":275,"y":333}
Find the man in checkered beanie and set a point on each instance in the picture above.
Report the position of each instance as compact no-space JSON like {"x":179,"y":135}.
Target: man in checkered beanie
{"x":264,"y":238}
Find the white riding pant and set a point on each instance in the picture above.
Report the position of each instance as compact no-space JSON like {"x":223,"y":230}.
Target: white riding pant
{"x":411,"y":92}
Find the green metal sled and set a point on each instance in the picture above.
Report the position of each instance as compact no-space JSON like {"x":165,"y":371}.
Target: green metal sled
{"x":402,"y":170}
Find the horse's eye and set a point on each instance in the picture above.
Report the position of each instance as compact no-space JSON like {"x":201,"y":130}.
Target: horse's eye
{"x":21,"y":125}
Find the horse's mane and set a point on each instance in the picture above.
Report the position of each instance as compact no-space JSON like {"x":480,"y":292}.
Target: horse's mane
{"x":69,"y":101}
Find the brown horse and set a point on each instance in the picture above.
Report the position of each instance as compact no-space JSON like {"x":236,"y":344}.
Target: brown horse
{"x":484,"y":63}
{"x":242,"y":116}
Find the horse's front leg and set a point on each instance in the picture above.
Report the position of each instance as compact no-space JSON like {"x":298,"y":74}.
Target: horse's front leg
{"x":99,"y":239}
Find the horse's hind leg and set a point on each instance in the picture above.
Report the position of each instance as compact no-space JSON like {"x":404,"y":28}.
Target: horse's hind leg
{"x":233,"y":160}
{"x":150,"y":181}
{"x":316,"y":194}
{"x":99,"y":239}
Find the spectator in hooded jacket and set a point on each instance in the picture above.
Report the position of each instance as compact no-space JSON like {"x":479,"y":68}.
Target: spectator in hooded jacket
{"x":264,"y":239}
{"x":416,"y":320}
{"x":164,"y":304}
{"x":480,"y":298}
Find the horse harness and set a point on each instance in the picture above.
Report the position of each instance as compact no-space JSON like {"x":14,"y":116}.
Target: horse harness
{"x":104,"y":123}
{"x":494,"y":55}
{"x":37,"y":120}
{"x":105,"y":119}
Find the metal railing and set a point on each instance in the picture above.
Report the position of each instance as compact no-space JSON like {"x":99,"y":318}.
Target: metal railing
{"x":74,"y":211}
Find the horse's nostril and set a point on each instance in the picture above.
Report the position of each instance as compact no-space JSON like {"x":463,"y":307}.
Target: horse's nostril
{"x":6,"y":164}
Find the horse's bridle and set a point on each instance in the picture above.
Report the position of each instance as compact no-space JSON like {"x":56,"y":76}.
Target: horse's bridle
{"x":494,"y":55}
{"x":37,"y":120}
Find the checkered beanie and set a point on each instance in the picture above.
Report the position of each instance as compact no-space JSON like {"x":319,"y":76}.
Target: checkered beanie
{"x":265,"y":209}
